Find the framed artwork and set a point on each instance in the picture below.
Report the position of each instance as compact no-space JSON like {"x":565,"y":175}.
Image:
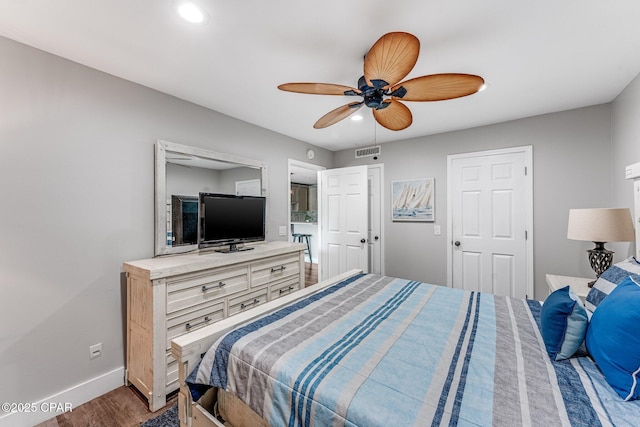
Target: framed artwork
{"x":413,"y":200}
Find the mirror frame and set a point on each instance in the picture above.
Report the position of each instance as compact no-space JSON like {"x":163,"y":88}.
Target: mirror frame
{"x":160,"y":194}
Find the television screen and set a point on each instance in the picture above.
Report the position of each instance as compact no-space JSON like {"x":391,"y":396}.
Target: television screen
{"x":228,"y":220}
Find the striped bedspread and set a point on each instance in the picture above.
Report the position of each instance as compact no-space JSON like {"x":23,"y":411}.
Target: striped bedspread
{"x":380,"y":351}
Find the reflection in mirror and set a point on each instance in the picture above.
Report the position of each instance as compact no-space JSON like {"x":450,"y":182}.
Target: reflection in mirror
{"x":182,"y":172}
{"x":184,"y":220}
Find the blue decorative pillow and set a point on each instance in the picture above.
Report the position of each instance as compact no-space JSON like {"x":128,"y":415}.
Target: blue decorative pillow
{"x":609,"y":279}
{"x":613,"y":339}
{"x":563,"y":320}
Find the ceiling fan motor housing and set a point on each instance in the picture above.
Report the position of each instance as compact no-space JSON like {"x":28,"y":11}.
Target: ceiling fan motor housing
{"x":373,"y":96}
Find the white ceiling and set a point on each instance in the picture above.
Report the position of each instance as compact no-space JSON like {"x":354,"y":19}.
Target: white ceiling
{"x":536,"y":56}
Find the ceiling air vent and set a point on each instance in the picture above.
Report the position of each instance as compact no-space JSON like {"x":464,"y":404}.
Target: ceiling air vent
{"x":368,"y":151}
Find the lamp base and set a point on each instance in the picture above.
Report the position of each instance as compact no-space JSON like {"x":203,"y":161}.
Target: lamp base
{"x":600,"y":259}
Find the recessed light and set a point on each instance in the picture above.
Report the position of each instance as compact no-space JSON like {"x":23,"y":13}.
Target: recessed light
{"x":192,"y":13}
{"x":356,"y":117}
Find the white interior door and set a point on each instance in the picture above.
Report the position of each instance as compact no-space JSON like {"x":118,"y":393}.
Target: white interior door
{"x":343,"y":220}
{"x":374,"y":235}
{"x":490,"y":217}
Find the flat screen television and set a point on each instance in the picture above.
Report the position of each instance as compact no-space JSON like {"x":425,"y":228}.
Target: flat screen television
{"x":226,"y":219}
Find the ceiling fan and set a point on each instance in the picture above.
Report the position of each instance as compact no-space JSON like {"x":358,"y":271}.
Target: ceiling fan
{"x":388,"y":61}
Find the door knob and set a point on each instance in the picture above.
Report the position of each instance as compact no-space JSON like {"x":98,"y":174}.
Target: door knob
{"x":457,"y":243}
{"x":376,"y":238}
{"x":363,"y":241}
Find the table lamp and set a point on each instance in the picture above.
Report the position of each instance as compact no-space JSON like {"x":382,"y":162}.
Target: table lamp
{"x":600,"y":226}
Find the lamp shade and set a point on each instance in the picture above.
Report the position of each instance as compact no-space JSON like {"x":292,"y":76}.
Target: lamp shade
{"x":601,"y":225}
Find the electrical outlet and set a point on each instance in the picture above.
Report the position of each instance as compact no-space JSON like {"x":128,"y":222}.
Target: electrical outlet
{"x":95,"y":351}
{"x":283,"y":230}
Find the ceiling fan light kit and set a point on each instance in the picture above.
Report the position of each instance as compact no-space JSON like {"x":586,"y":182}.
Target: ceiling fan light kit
{"x":390,"y":60}
{"x":190,"y":12}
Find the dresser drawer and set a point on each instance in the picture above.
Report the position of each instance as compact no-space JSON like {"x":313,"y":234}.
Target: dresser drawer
{"x":189,"y":290}
{"x":247,"y":301}
{"x":193,"y":318}
{"x":274,"y":269}
{"x":285,"y":287}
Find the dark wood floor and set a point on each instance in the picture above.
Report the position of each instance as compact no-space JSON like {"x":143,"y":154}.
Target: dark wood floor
{"x":124,"y":407}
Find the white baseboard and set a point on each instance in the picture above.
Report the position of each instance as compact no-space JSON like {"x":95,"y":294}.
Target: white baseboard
{"x":49,"y":407}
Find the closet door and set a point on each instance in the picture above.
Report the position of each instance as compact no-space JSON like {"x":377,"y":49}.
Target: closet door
{"x":489,"y":221}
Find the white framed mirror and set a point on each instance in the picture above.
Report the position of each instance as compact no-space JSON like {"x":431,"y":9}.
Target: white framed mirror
{"x":181,"y":173}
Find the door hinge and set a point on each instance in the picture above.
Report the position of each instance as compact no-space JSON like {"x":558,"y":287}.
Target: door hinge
{"x":525,"y":171}
{"x":526,"y":235}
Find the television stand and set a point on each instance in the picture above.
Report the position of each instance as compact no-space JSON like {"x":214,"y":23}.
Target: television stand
{"x":233,"y":247}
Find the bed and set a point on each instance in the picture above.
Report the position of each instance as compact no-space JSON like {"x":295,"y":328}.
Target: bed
{"x":368,"y":350}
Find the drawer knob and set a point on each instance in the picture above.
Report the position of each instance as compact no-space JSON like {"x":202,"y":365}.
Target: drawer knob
{"x":249,"y":304}
{"x":281,"y":268}
{"x":189,"y":325}
{"x":205,"y":288}
{"x":289,"y":289}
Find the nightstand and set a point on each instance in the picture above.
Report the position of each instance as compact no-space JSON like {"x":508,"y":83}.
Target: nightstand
{"x":579,"y":285}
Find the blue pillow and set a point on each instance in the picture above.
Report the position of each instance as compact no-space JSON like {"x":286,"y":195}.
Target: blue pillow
{"x":563,"y":320}
{"x":613,"y":338}
{"x":609,"y":279}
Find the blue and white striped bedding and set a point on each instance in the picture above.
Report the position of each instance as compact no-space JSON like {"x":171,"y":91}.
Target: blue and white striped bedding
{"x":380,"y":351}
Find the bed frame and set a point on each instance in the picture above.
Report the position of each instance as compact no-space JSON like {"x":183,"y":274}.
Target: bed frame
{"x":188,"y":349}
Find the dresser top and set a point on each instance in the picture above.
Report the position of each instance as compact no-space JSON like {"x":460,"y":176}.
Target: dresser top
{"x":171,"y":265}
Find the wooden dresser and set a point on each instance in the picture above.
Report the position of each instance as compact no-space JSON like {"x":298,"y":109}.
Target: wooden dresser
{"x":170,"y":296}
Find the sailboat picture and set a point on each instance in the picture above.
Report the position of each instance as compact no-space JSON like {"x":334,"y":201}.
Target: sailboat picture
{"x":412,"y":200}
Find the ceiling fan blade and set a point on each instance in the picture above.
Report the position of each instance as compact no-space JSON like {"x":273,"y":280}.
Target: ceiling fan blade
{"x":438,"y":87}
{"x":334,"y":116}
{"x":396,"y":116}
{"x":391,"y":58}
{"x":319,"y":88}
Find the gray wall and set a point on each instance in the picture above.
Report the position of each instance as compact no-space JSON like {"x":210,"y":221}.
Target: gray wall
{"x":626,"y":151}
{"x":183,"y":181}
{"x":77,"y":150}
{"x":571,"y":161}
